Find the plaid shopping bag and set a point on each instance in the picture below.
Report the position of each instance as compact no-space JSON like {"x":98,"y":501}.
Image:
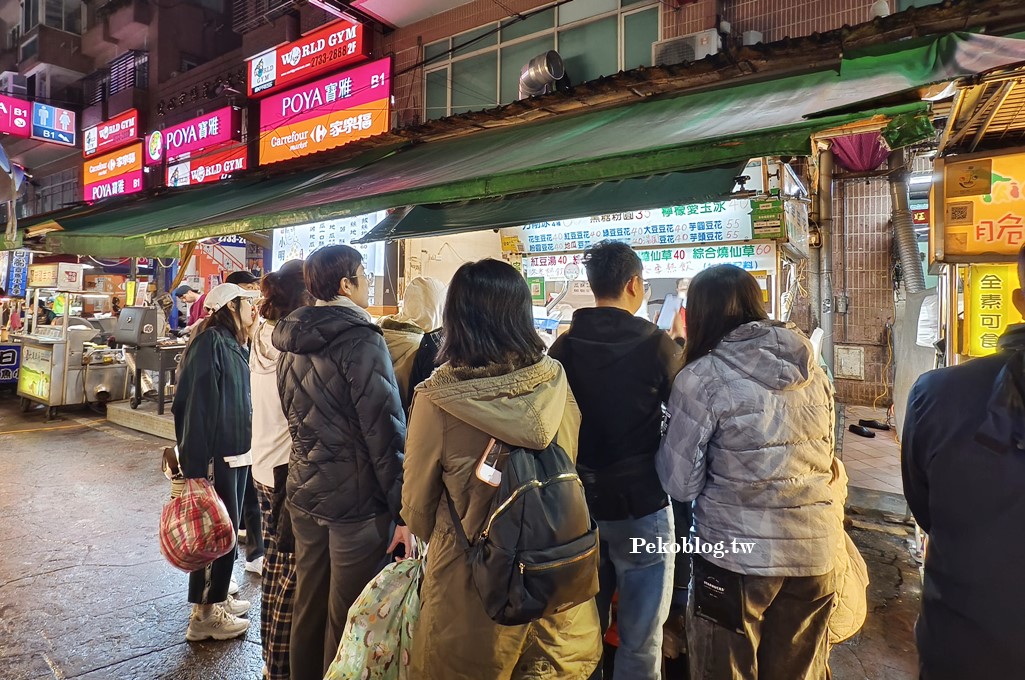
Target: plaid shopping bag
{"x":195,"y":528}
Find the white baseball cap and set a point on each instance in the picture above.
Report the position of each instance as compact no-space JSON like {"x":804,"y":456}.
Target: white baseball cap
{"x":225,"y":293}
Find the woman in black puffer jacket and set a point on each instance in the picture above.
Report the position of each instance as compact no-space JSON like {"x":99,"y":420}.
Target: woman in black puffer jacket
{"x":340,"y":397}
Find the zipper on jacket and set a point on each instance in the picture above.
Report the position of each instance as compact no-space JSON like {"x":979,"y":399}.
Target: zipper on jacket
{"x":533,"y":484}
{"x":558,"y":563}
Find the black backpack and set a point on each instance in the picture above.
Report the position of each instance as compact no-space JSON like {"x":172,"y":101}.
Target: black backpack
{"x":537,"y":553}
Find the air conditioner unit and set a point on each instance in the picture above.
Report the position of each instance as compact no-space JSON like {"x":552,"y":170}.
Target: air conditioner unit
{"x":691,"y":47}
{"x":14,"y":84}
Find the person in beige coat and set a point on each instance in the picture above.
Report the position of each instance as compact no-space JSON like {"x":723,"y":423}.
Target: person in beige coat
{"x":495,"y":382}
{"x":422,"y":305}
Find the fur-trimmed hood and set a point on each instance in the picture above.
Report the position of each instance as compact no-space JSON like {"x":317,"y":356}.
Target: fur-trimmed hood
{"x":520,"y":406}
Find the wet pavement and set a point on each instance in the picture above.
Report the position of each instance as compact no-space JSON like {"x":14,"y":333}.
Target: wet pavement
{"x":85,"y":593}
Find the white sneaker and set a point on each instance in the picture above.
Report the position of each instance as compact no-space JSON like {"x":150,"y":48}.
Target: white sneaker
{"x":233,"y":587}
{"x":256,"y":566}
{"x":235,"y":606}
{"x":219,"y":625}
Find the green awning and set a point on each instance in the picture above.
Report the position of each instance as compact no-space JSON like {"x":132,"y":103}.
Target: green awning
{"x":650,"y":137}
{"x":655,"y":191}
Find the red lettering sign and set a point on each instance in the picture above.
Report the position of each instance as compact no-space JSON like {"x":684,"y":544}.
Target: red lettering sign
{"x":331,"y":47}
{"x":112,"y":134}
{"x":204,"y":132}
{"x":208,"y":168}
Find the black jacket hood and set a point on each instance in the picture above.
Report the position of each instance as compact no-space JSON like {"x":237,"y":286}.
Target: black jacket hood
{"x":308,"y":330}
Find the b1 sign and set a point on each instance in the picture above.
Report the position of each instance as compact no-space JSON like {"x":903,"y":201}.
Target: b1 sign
{"x":338,"y":44}
{"x":51,"y":124}
{"x":326,"y":113}
{"x":223,"y":125}
{"x":111,"y":134}
{"x":15,"y":115}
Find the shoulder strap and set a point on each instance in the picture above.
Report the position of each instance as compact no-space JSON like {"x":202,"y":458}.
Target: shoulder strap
{"x":457,"y":524}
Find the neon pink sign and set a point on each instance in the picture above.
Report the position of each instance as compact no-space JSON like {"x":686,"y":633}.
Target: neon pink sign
{"x":223,"y":125}
{"x":347,"y":90}
{"x":120,"y":185}
{"x":15,"y":116}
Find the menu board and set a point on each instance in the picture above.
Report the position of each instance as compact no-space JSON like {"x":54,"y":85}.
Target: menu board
{"x":662,"y":263}
{"x":296,"y":243}
{"x":718,"y":221}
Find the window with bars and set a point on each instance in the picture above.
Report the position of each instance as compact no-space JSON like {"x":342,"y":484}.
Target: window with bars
{"x":56,"y":191}
{"x":126,"y":71}
{"x":480,"y":69}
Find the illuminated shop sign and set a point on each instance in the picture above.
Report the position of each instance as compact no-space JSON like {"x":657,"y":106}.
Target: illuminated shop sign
{"x":223,"y":125}
{"x":114,"y":174}
{"x":338,"y":44}
{"x":207,"y":168}
{"x":15,"y":115}
{"x":111,"y":134}
{"x":327,"y":113}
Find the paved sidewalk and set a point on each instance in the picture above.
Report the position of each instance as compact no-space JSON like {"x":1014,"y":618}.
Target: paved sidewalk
{"x":84,"y":592}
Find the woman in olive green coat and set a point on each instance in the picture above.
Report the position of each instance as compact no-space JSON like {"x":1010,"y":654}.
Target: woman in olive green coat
{"x":496,"y":382}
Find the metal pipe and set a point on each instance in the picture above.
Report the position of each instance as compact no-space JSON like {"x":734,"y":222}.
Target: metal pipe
{"x":904,"y":225}
{"x":826,"y":231}
{"x":541,"y":72}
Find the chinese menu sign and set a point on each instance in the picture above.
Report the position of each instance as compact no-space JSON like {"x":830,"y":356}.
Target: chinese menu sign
{"x":984,"y":207}
{"x":296,"y":243}
{"x":326,"y":113}
{"x":10,"y":358}
{"x":990,"y":310}
{"x":17,"y":273}
{"x":338,"y":44}
{"x":663,"y":263}
{"x":694,"y":223}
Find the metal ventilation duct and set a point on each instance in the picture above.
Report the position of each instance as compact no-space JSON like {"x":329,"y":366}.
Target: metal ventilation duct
{"x":541,"y":73}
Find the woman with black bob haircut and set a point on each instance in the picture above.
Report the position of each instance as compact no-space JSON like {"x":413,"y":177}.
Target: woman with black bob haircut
{"x":750,"y":441}
{"x":213,"y":425}
{"x":283,"y":291}
{"x":344,"y":487}
{"x":496,"y":384}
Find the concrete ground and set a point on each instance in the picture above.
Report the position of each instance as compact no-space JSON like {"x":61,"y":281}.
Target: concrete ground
{"x":85,"y":593}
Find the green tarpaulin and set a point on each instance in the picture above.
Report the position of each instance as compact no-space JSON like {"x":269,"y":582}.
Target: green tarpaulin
{"x":675,"y":188}
{"x":597,"y":148}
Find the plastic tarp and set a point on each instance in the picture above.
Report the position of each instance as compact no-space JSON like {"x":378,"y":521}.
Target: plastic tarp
{"x":652,"y":136}
{"x":654,"y":191}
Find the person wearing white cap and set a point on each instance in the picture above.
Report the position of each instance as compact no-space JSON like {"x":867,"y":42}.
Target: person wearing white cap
{"x":213,"y":427}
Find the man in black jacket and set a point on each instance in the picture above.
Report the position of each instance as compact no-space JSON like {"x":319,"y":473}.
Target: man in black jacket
{"x":344,"y":489}
{"x":963,"y":461}
{"x":621,"y":369}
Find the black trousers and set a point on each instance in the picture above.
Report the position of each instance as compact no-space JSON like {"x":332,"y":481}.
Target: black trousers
{"x":252,"y":520}
{"x":334,"y":562}
{"x":210,"y":585}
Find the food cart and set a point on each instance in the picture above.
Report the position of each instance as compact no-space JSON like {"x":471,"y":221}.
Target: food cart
{"x":60,"y":365}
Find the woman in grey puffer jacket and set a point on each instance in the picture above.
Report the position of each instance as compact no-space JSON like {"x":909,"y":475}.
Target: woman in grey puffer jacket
{"x":750,"y":440}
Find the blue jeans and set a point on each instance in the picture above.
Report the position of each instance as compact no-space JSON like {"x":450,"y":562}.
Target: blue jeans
{"x":645,"y":584}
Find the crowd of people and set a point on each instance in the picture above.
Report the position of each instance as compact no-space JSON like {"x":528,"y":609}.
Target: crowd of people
{"x":303,"y":398}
